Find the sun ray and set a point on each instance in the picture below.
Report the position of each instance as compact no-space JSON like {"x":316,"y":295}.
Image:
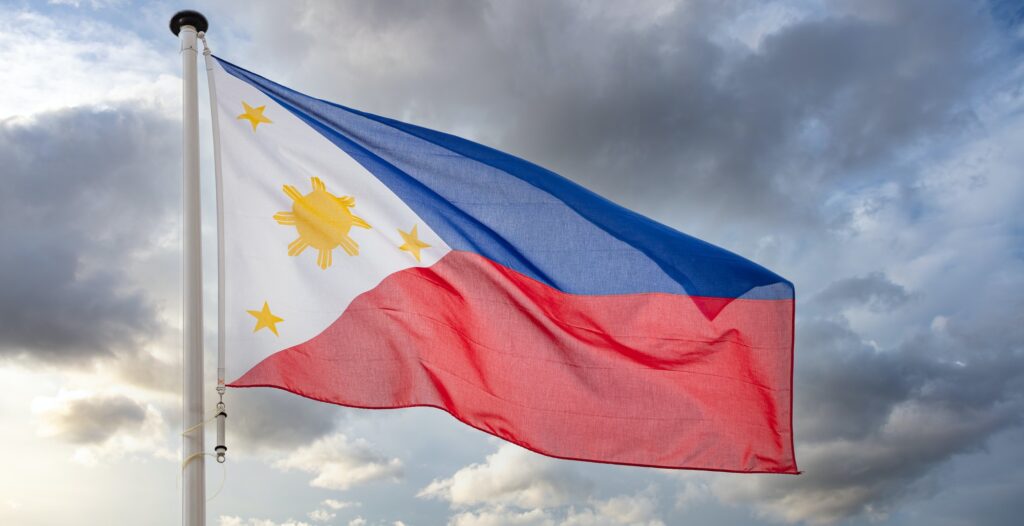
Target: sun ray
{"x":349,"y":246}
{"x":359,"y":222}
{"x":292,"y":192}
{"x":323,"y":258}
{"x":285,"y":218}
{"x":317,"y":184}
{"x":296,"y":247}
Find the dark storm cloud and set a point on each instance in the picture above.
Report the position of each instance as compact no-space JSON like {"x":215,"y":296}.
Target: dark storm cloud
{"x":658,"y":109}
{"x":760,"y":133}
{"x":874,"y":423}
{"x":851,"y":388}
{"x":848,"y":387}
{"x":84,"y":191}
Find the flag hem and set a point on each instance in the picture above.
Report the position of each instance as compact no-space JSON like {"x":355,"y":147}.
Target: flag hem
{"x":520,"y":444}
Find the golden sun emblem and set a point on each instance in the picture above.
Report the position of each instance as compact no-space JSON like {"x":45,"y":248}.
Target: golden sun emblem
{"x":323,"y":221}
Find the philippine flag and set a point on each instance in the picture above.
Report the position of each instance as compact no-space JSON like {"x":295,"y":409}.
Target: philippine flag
{"x":376,"y":264}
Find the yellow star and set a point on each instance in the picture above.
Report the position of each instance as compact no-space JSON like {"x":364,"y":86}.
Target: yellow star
{"x":264,"y":318}
{"x":254,"y":115}
{"x":412,"y":244}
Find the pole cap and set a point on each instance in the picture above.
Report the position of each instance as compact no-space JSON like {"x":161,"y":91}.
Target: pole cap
{"x":188,"y":17}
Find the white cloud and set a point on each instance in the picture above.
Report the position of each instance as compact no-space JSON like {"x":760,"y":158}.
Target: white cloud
{"x":692,"y":492}
{"x":228,"y":520}
{"x":639,"y":509}
{"x":516,"y":486}
{"x":512,"y":476}
{"x":633,"y":510}
{"x":327,"y":509}
{"x":95,"y":4}
{"x":50,"y":64}
{"x":502,"y":517}
{"x":340,"y":504}
{"x":339,"y":463}
{"x":321,"y":515}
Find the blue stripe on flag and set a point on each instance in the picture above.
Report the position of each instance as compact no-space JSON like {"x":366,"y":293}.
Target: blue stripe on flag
{"x":523,"y":216}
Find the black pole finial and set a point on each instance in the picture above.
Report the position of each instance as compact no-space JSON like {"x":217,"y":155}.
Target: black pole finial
{"x":188,"y":17}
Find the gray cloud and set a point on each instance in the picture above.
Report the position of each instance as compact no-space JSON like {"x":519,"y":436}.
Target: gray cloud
{"x":146,"y":370}
{"x":651,"y":104}
{"x":875,"y":291}
{"x":272,"y":419}
{"x":874,"y":423}
{"x":85,"y":191}
{"x":87,"y":421}
{"x":103,"y":426}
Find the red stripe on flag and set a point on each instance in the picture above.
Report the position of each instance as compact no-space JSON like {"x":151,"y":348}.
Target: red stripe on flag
{"x":642,"y":379}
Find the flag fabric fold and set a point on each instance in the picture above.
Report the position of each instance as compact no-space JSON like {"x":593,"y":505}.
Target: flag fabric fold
{"x":373,"y":263}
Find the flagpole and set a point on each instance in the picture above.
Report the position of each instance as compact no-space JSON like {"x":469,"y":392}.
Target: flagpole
{"x":185,"y":25}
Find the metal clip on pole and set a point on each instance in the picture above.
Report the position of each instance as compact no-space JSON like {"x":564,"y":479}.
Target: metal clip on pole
{"x":220,"y":449}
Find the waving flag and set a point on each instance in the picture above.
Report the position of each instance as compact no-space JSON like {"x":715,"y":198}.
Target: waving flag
{"x":377,"y":264}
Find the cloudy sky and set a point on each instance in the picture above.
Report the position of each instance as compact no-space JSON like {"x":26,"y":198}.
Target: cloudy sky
{"x":869,"y":151}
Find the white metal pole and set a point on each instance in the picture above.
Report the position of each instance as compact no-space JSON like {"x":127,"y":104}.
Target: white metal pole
{"x":186,"y":24}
